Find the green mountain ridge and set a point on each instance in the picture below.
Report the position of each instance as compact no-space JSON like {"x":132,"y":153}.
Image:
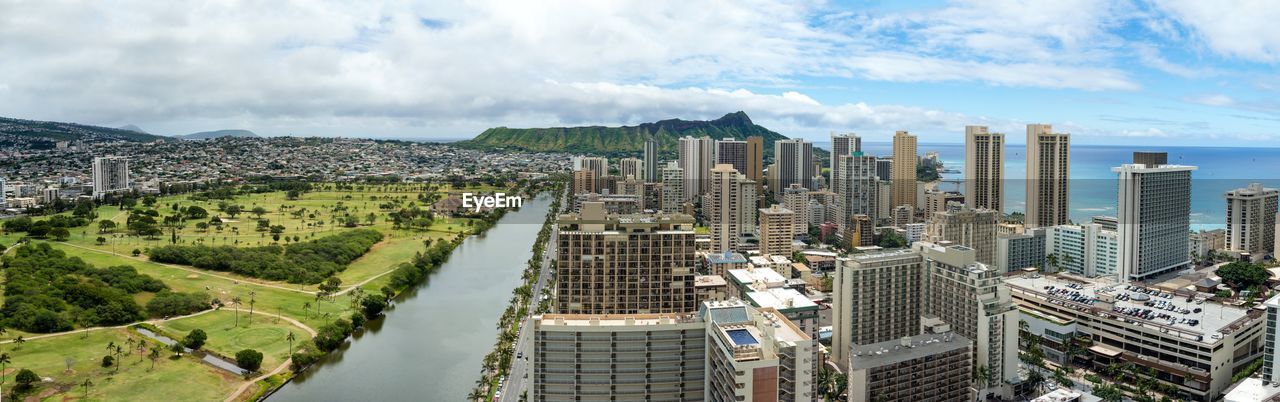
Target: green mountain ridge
{"x":205,"y":135}
{"x":624,"y":139}
{"x":42,"y":134}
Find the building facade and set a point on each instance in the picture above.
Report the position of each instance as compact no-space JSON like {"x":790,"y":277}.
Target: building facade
{"x":927,"y":368}
{"x":794,"y":161}
{"x":904,"y":170}
{"x":974,"y":228}
{"x":729,"y":207}
{"x":1154,"y":216}
{"x":1251,"y":220}
{"x":983,"y":168}
{"x":110,"y":175}
{"x":777,"y":230}
{"x":696,"y":157}
{"x":1048,"y":176}
{"x":875,"y":298}
{"x":1087,"y":250}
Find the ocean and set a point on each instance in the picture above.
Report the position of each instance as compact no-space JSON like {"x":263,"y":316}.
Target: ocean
{"x":1094,"y":185}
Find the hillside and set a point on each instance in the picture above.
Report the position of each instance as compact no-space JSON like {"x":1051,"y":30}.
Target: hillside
{"x":205,"y":135}
{"x":45,"y":134}
{"x":624,"y":139}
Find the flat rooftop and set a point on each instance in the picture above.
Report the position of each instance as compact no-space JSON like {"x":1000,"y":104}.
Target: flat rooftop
{"x":568,"y":320}
{"x":767,"y":276}
{"x":1130,"y":300}
{"x":781,"y":299}
{"x":894,"y":352}
{"x":708,"y":281}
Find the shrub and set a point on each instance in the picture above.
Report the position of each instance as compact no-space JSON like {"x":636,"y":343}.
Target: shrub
{"x":195,"y":339}
{"x":249,"y":359}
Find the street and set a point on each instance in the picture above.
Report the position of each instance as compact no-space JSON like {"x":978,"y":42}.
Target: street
{"x":516,"y":381}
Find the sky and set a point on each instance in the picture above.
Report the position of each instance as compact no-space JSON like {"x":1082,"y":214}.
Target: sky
{"x":1179,"y":72}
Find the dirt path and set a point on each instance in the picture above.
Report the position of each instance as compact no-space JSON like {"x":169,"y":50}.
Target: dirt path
{"x":235,"y":395}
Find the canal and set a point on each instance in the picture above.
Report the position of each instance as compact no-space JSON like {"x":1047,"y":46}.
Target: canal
{"x":430,"y":346}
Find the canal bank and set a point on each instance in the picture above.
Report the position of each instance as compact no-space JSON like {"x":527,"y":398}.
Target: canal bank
{"x":429,"y":347}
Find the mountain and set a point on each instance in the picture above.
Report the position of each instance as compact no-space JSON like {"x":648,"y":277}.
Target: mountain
{"x":133,"y":128}
{"x":621,"y":140}
{"x":205,"y":135}
{"x":45,"y":134}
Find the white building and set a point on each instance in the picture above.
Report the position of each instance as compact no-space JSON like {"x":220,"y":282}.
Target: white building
{"x":1087,"y":250}
{"x":1155,"y":216}
{"x":1251,"y":220}
{"x":110,"y":174}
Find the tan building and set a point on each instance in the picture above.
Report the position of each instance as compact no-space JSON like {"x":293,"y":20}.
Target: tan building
{"x":974,"y":300}
{"x":584,"y":181}
{"x":902,"y":215}
{"x":983,"y":168}
{"x":776,"y":230}
{"x":624,"y":264}
{"x":926,"y":368}
{"x":729,"y":207}
{"x":904,"y":170}
{"x":1048,"y":176}
{"x":755,"y":159}
{"x":876,"y":298}
{"x":796,"y":198}
{"x":710,"y":288}
{"x":1251,"y":220}
{"x":936,"y":201}
{"x":756,"y":355}
{"x":861,"y":231}
{"x":974,"y":228}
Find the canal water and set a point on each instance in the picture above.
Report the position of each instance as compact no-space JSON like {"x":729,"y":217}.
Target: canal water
{"x":430,"y":346}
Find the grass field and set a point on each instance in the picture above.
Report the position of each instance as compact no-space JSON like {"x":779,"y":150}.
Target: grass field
{"x":322,"y":213}
{"x":184,"y":379}
{"x":264,"y":334}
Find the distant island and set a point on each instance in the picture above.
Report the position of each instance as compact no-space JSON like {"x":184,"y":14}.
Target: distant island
{"x":621,"y":140}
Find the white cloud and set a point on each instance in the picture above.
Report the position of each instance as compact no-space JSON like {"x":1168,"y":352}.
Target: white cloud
{"x":1237,"y":28}
{"x":1212,"y":100}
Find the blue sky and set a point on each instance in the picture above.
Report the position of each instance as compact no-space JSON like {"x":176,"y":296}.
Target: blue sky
{"x":1110,"y":72}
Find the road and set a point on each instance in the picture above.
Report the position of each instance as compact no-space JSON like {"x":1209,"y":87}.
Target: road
{"x":517,"y":382}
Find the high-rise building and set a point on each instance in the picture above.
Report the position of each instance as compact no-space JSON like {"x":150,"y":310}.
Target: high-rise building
{"x":599,"y":166}
{"x":776,"y":230}
{"x":974,"y":228}
{"x":755,"y":159}
{"x":756,"y":354}
{"x":110,"y":174}
{"x":1048,"y":176}
{"x":672,"y":188}
{"x":930,"y":367}
{"x":973,"y":298}
{"x":651,"y":160}
{"x":624,"y":264}
{"x":793,"y":160}
{"x":1087,"y":250}
{"x":937,"y":201}
{"x":884,"y":204}
{"x":902,"y":215}
{"x":1155,"y":216}
{"x":584,"y":181}
{"x":841,"y":145}
{"x":732,"y":152}
{"x":2,"y":204}
{"x":1251,"y":220}
{"x":904,"y":170}
{"x":884,"y":170}
{"x":696,"y":157}
{"x":1270,"y":354}
{"x":627,"y":357}
{"x":983,"y":168}
{"x":875,"y":298}
{"x":796,"y":198}
{"x":631,"y":167}
{"x":861,"y":231}
{"x":855,"y":185}
{"x":729,"y":207}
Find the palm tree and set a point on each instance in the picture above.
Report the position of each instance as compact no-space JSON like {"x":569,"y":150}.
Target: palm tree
{"x":306,"y":309}
{"x":4,"y":361}
{"x":141,"y":347}
{"x":475,"y":395}
{"x":129,"y":341}
{"x":290,"y":338}
{"x":18,"y":341}
{"x":118,"y":351}
{"x":155,"y":355}
{"x":1051,"y":260}
{"x":236,"y":301}
{"x":252,"y":300}
{"x":982,"y":376}
{"x":86,"y":384}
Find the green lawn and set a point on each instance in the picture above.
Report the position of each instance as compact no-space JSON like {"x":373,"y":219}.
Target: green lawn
{"x":184,"y":379}
{"x":265,"y":334}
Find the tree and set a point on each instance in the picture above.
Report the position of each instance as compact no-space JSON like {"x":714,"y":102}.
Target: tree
{"x":259,"y":211}
{"x":137,"y":252}
{"x":4,"y":362}
{"x":106,"y":226}
{"x":108,"y":361}
{"x":982,"y":375}
{"x":195,"y":339}
{"x":1242,"y":275}
{"x":101,"y":240}
{"x":290,"y":338}
{"x":154,"y":355}
{"x":86,"y":384}
{"x":236,"y":301}
{"x":60,"y":234}
{"x":252,"y":300}
{"x":25,"y":379}
{"x":249,"y":359}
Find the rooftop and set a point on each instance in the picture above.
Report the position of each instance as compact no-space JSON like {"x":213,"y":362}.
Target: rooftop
{"x":727,"y":257}
{"x":612,"y":319}
{"x":768,"y":277}
{"x":781,"y":299}
{"x":708,"y":281}
{"x":1197,"y":319}
{"x":897,"y":351}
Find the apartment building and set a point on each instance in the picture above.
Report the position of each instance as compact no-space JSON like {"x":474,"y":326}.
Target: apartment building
{"x":974,"y":228}
{"x":1020,"y":250}
{"x":983,"y":168}
{"x":624,"y":264}
{"x":875,"y":298}
{"x":793,"y":160}
{"x":696,"y":157}
{"x":756,"y":355}
{"x":673,"y":193}
{"x":855,"y":185}
{"x":1048,"y":176}
{"x":777,"y":230}
{"x":1087,"y":250}
{"x":110,"y":175}
{"x":841,"y":145}
{"x":904,"y":170}
{"x":796,"y":198}
{"x":1251,"y":220}
{"x":926,"y":368}
{"x":729,"y":207}
{"x":1155,"y":216}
